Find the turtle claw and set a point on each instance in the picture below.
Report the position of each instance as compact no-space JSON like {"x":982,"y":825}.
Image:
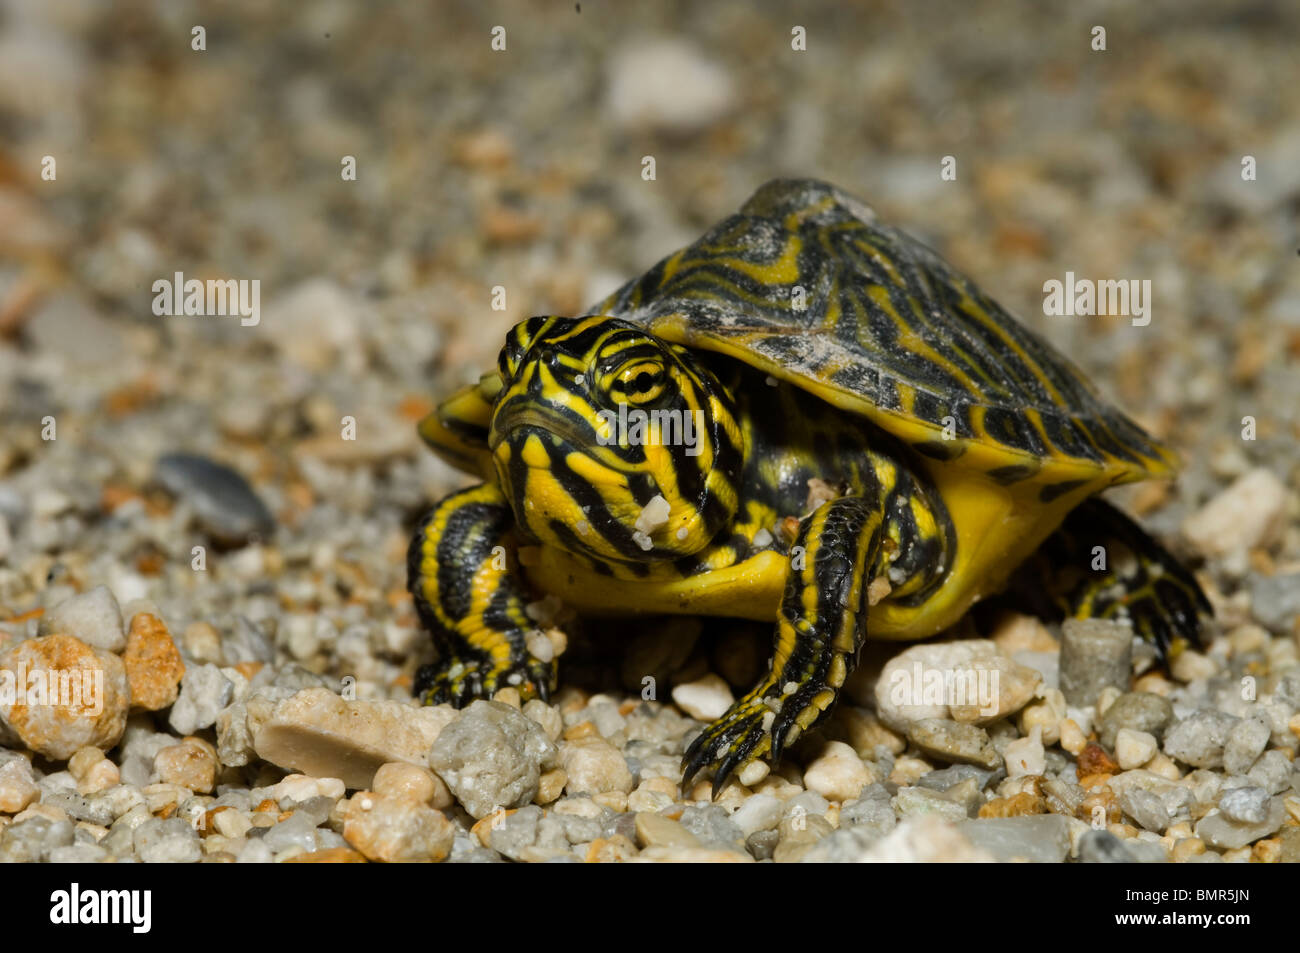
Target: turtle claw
{"x":738,"y":738}
{"x":458,"y":682}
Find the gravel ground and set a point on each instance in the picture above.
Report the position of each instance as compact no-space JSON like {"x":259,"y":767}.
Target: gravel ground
{"x":182,"y":512}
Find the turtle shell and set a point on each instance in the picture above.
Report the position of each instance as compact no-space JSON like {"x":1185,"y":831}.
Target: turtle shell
{"x":805,"y":284}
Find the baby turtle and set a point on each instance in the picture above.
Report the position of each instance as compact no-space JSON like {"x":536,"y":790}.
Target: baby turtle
{"x":656,"y":456}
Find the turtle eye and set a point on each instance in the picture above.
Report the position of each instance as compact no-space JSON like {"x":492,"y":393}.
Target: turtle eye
{"x":638,"y":382}
{"x":518,"y":342}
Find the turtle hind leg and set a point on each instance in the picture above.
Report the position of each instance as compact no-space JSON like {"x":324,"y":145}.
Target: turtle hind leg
{"x":1101,"y":564}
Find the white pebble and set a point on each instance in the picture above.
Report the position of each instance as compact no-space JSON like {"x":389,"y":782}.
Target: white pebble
{"x":1026,"y":755}
{"x":1134,"y":748}
{"x":1246,"y":514}
{"x":706,"y":698}
{"x":837,"y":774}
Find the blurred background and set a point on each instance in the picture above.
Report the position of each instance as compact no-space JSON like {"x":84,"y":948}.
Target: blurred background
{"x":523,"y":168}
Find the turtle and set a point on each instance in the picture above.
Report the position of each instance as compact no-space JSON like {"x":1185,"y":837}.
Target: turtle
{"x":806,"y":418}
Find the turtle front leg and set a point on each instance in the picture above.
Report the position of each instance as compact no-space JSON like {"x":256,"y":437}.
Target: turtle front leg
{"x":821,"y":625}
{"x":464,"y":576}
{"x":1101,"y":565}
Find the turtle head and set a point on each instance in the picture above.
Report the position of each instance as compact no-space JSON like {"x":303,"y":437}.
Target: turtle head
{"x":612,"y":442}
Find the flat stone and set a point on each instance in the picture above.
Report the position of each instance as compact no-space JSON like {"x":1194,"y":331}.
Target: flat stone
{"x":1246,"y":514}
{"x":913,"y":801}
{"x":317,"y":732}
{"x":655,"y":830}
{"x":953,"y":742}
{"x":920,"y":682}
{"x":1221,"y":832}
{"x":225,"y":505}
{"x":1041,"y":838}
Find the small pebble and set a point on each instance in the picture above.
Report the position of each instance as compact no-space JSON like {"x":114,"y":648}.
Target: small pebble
{"x":705,"y":699}
{"x":191,"y":764}
{"x":950,"y":741}
{"x":837,"y":773}
{"x":1244,"y":515}
{"x":397,"y":830}
{"x":93,"y":617}
{"x":1095,"y":654}
{"x":154,"y":668}
{"x":399,"y":779}
{"x":1134,"y":748}
{"x":226,"y":506}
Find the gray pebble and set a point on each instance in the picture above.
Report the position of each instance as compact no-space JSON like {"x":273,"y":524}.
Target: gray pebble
{"x":762,"y":844}
{"x":1147,"y":852}
{"x":1063,"y":796}
{"x":204,"y":692}
{"x":713,"y":826}
{"x":1137,"y":711}
{"x":1095,"y":654}
{"x":491,"y":756}
{"x":1288,"y":687}
{"x":30,"y":841}
{"x":948,"y":740}
{"x":624,"y":823}
{"x":1199,"y":738}
{"x":1248,"y":805}
{"x":79,"y":808}
{"x":872,"y":811}
{"x":844,"y":846}
{"x":945,"y":778}
{"x":79,"y":854}
{"x":1275,"y":600}
{"x":236,"y":798}
{"x":809,"y":802}
{"x":255,"y":851}
{"x":93,"y":616}
{"x":1273,"y":772}
{"x":246,"y":642}
{"x":222,"y":500}
{"x":328,"y":840}
{"x":1221,"y":832}
{"x":316,"y":809}
{"x":297,"y":830}
{"x":580,"y":830}
{"x":1246,"y":742}
{"x":913,"y":801}
{"x":516,"y":832}
{"x":1041,"y":838}
{"x":1103,"y":847}
{"x":170,"y":841}
{"x":120,"y":839}
{"x":1145,"y":808}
